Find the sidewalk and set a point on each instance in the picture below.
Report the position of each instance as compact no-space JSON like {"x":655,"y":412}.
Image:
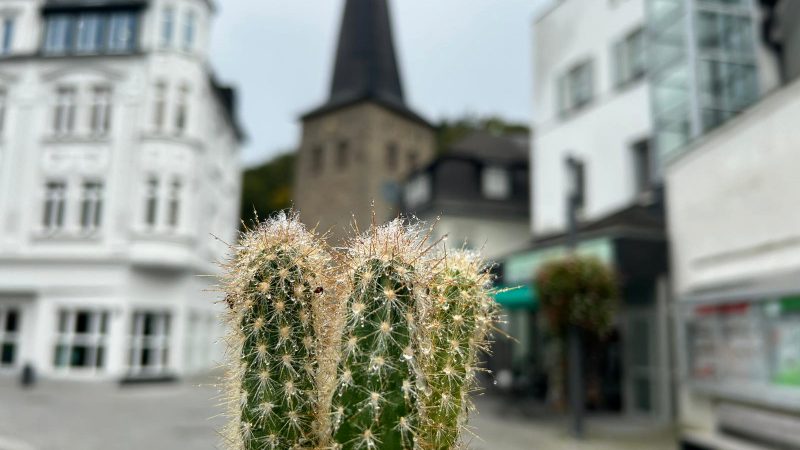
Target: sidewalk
{"x":185,"y":416}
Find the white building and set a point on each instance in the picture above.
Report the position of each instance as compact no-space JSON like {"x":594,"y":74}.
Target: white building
{"x":620,"y":85}
{"x":734,"y":225}
{"x":118,"y":161}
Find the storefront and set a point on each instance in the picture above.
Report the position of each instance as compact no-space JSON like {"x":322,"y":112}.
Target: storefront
{"x":627,"y":371}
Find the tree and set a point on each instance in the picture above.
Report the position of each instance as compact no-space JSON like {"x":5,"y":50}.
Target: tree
{"x":267,"y":188}
{"x":449,"y":132}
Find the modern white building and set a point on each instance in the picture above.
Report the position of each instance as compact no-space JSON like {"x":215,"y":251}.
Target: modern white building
{"x":735,"y":232}
{"x":118,"y":162}
{"x":619,"y":86}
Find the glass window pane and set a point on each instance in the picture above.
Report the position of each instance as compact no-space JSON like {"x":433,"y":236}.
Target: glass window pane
{"x":7,"y":353}
{"x":82,"y":319}
{"x":12,"y":317}
{"x":79,"y":356}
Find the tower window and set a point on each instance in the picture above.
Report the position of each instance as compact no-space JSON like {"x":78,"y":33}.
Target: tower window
{"x":342,"y":155}
{"x":316,"y":159}
{"x":392,"y":156}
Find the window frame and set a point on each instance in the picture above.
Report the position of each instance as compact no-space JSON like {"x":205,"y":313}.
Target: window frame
{"x":94,"y":340}
{"x":54,"y":206}
{"x":91,"y":206}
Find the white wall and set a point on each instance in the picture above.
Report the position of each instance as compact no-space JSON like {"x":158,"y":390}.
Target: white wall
{"x":733,"y":198}
{"x":600,"y":134}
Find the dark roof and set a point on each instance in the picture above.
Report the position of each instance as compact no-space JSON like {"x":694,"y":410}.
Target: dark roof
{"x":226,"y":95}
{"x":54,"y":5}
{"x":484,"y":146}
{"x":366,"y":66}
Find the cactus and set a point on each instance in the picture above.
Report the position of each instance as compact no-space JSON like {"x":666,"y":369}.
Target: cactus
{"x":274,"y":283}
{"x":375,"y":351}
{"x":457,"y":322}
{"x":375,"y":404}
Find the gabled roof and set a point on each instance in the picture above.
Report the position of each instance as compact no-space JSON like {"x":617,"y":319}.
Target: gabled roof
{"x":366,"y":68}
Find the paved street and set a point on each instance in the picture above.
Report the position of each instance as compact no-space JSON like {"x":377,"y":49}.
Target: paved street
{"x":181,"y":416}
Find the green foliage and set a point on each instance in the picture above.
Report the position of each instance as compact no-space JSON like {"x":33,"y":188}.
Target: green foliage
{"x":578,"y":290}
{"x":267,"y":189}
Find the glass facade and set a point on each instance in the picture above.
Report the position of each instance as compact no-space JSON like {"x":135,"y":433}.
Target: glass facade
{"x":703,"y":66}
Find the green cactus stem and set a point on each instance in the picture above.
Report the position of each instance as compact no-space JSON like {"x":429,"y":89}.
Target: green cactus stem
{"x":375,"y":405}
{"x":274,"y":281}
{"x":460,"y":312}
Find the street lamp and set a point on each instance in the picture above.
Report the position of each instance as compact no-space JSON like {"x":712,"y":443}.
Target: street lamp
{"x":575,"y":199}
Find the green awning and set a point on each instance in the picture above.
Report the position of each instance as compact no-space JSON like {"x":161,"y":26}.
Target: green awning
{"x":517,"y":297}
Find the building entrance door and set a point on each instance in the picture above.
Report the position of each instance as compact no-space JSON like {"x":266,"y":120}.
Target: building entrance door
{"x":641,"y":362}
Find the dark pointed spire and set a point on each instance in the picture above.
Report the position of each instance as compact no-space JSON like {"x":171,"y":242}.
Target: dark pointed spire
{"x":366,"y":66}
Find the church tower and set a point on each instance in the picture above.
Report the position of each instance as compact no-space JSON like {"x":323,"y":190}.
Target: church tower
{"x":360,"y":144}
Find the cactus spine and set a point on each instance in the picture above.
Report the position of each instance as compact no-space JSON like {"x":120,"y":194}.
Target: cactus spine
{"x":274,"y":281}
{"x":375,"y":404}
{"x":457,"y":321}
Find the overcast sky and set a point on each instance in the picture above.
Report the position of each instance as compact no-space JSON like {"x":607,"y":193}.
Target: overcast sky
{"x":456,"y":57}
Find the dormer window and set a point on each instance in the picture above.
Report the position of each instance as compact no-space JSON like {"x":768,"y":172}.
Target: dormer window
{"x":92,"y":32}
{"x":495,"y":183}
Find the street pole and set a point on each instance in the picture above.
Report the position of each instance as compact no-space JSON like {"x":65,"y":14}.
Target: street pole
{"x":574,"y":347}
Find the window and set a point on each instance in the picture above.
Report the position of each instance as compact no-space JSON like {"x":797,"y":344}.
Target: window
{"x":167,"y":26}
{"x":100,"y":118}
{"x":121,"y":32}
{"x":58,"y":35}
{"x":81,"y":339}
{"x":392,"y":156}
{"x":149,"y":342}
{"x":575,"y":88}
{"x":160,"y":106}
{"x":316,"y":159}
{"x":64,"y":114}
{"x":189,"y":30}
{"x":630,"y":58}
{"x":54,"y":205}
{"x":174,"y":212}
{"x":9,"y":336}
{"x":3,"y":109}
{"x":151,"y":202}
{"x":8,"y":35}
{"x":642,"y":165}
{"x":413,"y":161}
{"x":90,"y":33}
{"x":342,"y":155}
{"x":576,"y":182}
{"x":91,"y":206}
{"x":495,"y":183}
{"x":182,"y":111}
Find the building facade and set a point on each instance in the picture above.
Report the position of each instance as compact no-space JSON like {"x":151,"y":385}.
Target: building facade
{"x":364,"y":140}
{"x":736,"y":265}
{"x":476,"y":193}
{"x":118,"y":162}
